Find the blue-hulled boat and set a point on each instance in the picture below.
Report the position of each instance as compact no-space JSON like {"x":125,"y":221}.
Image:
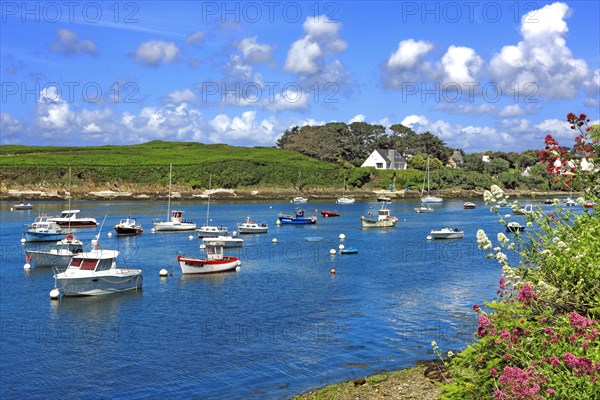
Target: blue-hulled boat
{"x":297,"y":219}
{"x":42,"y":230}
{"x":349,"y":250}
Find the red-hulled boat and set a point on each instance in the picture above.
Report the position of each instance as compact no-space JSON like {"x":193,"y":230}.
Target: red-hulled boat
{"x":326,"y":213}
{"x":214,"y":262}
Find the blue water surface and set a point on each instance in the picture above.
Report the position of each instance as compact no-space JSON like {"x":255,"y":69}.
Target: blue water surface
{"x":281,"y":325}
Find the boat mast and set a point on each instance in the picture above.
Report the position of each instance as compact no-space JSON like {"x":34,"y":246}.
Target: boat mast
{"x":69,"y":226}
{"x":427,"y":176}
{"x":169,"y":200}
{"x":208,"y":204}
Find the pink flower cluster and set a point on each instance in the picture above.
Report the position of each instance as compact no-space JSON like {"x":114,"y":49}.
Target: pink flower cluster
{"x":485,"y":326}
{"x":581,"y":365}
{"x":579,"y":322}
{"x":526,"y":294}
{"x":516,"y":383}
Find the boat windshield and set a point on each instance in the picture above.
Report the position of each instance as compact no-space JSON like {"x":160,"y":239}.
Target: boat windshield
{"x":89,"y":264}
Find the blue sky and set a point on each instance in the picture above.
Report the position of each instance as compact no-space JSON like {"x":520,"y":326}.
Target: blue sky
{"x":480,"y":75}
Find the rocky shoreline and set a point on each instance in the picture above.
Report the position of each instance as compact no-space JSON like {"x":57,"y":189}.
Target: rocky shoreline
{"x":131,"y":192}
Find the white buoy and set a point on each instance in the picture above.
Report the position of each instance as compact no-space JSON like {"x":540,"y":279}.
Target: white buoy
{"x":55,"y":294}
{"x":109,"y":234}
{"x":27,"y":266}
{"x":274,"y":240}
{"x":152,"y":230}
{"x":235,"y":233}
{"x":277,"y":222}
{"x":163,"y":272}
{"x":341,"y":247}
{"x":342,"y":236}
{"x":332,"y":252}
{"x":191,"y":237}
{"x":23,"y":240}
{"x":11,"y":209}
{"x":429,"y":237}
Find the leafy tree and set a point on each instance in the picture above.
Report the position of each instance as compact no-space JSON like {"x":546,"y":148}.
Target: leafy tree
{"x":497,"y":165}
{"x":404,"y":140}
{"x":417,"y":162}
{"x":473,"y":162}
{"x":432,"y":146}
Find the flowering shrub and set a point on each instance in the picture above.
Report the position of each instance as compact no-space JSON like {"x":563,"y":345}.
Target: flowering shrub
{"x":543,"y":338}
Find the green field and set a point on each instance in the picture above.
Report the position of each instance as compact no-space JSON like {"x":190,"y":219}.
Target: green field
{"x":230,"y":167}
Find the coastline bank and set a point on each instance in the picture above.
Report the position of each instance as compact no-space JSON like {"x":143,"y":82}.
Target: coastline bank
{"x":134,"y":192}
{"x":415,"y":383}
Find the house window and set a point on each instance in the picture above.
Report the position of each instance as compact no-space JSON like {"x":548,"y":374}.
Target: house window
{"x":379,"y":165}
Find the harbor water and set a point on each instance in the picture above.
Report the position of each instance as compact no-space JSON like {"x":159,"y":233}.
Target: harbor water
{"x":280,"y":325}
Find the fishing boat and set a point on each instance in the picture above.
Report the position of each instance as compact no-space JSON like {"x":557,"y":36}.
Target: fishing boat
{"x":514,"y":227}
{"x":570,"y":202}
{"x":589,"y":204}
{"x":175,"y":220}
{"x":96,"y":273}
{"x":70,"y":218}
{"x":467,"y":205}
{"x":252,"y":227}
{"x":43,"y":230}
{"x":382,"y":220}
{"x":211,"y":230}
{"x":548,"y":201}
{"x":23,"y":206}
{"x":326,"y":213}
{"x":58,"y":255}
{"x":299,"y":200}
{"x":345,"y":200}
{"x":528,"y":209}
{"x":214,"y":262}
{"x":128,"y":227}
{"x":349,"y":250}
{"x":447,"y":233}
{"x":423,"y":209}
{"x":428,"y":198}
{"x":384,"y":199}
{"x":297,"y":219}
{"x":227,"y":241}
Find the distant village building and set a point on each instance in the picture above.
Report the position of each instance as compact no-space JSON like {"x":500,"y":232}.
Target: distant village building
{"x":526,"y":172}
{"x":456,"y":160}
{"x":385,"y":159}
{"x":486,"y":158}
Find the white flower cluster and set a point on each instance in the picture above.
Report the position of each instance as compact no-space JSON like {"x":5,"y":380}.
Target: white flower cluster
{"x":494,"y":194}
{"x":560,"y":244}
{"x":546,"y":290}
{"x":503,"y":239}
{"x":482,"y":240}
{"x":510,"y":275}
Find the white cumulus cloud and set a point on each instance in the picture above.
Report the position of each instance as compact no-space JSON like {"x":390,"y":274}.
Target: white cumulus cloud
{"x":68,"y":43}
{"x":156,"y":52}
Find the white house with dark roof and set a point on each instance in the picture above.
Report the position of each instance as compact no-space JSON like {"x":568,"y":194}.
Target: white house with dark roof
{"x":385,"y":159}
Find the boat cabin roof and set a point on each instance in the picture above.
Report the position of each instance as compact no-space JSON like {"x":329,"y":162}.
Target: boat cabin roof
{"x":70,"y":211}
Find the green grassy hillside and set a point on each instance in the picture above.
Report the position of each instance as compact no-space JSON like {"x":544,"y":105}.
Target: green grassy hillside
{"x":231,"y":167}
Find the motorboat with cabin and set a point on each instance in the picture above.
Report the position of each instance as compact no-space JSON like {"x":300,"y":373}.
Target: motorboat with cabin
{"x":128,"y":227}
{"x":96,"y":273}
{"x":252,"y":227}
{"x":214,"y":262}
{"x":58,"y":255}
{"x":69,"y":218}
{"x":381,"y":220}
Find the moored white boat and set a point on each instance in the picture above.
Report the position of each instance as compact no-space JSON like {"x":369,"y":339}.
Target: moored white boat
{"x":299,"y":200}
{"x":69,"y":218}
{"x":252,"y":227}
{"x":23,"y":206}
{"x":345,"y":200}
{"x":43,"y":230}
{"x":208,"y":231}
{"x":58,"y":255}
{"x":570,"y":202}
{"x":96,"y":273}
{"x":428,"y":198}
{"x":423,"y":209}
{"x":383,"y":219}
{"x":467,"y":205}
{"x":227,"y":241}
{"x":176,"y":221}
{"x":214,"y":262}
{"x":447,"y":233}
